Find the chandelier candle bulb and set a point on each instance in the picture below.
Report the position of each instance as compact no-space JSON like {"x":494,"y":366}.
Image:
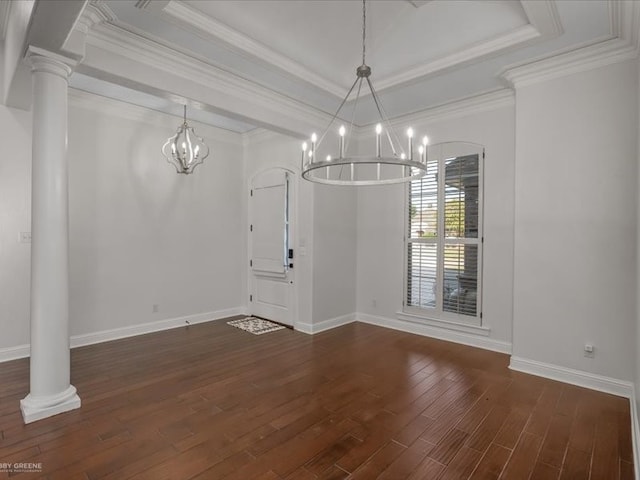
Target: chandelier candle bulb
{"x":314,"y":139}
{"x":342,"y":131}
{"x":421,"y":151}
{"x":410,"y":135}
{"x":304,"y":150}
{"x":378,"y":139}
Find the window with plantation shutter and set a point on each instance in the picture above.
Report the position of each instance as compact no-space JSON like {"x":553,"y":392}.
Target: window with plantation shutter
{"x":444,"y":238}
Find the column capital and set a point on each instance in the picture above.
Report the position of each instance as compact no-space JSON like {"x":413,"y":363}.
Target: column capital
{"x":42,"y":60}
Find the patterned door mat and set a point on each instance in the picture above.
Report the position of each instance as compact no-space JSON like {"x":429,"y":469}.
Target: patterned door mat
{"x":254,"y":325}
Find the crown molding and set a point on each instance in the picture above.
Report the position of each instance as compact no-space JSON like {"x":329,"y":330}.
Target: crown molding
{"x":583,"y":59}
{"x":215,"y":30}
{"x":150,"y":54}
{"x":93,"y":14}
{"x":544,"y":16}
{"x":109,"y":106}
{"x":544,"y":24}
{"x":622,"y":44}
{"x":483,"y":102}
{"x":624,"y":20}
{"x":513,"y":39}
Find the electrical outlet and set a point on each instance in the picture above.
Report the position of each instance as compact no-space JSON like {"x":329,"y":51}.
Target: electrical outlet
{"x":25,"y":237}
{"x":589,"y":351}
{"x":155,"y":308}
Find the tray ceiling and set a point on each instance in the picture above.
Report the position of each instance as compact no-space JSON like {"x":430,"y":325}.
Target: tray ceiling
{"x":423,"y":53}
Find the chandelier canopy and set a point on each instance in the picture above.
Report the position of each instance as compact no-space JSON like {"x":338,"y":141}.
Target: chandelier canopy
{"x":185,"y":150}
{"x":390,"y":163}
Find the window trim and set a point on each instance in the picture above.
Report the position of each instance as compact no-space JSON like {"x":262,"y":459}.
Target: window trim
{"x":437,"y":316}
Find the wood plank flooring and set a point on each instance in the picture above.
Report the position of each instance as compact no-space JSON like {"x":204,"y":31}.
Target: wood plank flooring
{"x":213,"y":402}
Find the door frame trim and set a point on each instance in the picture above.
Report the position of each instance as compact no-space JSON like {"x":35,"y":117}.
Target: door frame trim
{"x":293,"y":235}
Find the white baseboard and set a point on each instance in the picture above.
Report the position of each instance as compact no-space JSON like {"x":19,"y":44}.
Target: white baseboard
{"x":22,"y":351}
{"x":318,"y":327}
{"x":14,"y":353}
{"x":141,"y":329}
{"x":479,"y":341}
{"x":581,"y":378}
{"x":635,"y":432}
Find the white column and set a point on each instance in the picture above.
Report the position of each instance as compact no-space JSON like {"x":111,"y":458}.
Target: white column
{"x":50,"y":389}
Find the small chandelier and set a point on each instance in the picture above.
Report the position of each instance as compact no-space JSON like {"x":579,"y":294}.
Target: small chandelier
{"x":390,"y":164}
{"x":185,"y":150}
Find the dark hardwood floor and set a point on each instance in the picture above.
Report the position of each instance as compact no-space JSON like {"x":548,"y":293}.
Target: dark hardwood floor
{"x":360,"y":402}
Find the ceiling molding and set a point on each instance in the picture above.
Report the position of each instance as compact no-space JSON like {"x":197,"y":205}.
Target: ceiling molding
{"x":160,"y":58}
{"x":215,"y":30}
{"x":622,"y":44}
{"x":457,"y":108}
{"x":544,"y":24}
{"x":93,"y":14}
{"x":513,"y":39}
{"x":624,"y":19}
{"x":483,"y":102}
{"x":544,"y":16}
{"x":110,"y":106}
{"x":586,"y":58}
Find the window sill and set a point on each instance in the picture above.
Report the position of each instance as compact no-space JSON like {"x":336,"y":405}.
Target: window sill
{"x":445,"y":324}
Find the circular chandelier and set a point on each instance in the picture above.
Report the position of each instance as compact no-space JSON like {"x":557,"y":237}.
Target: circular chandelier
{"x":390,"y":164}
{"x":185,"y":150}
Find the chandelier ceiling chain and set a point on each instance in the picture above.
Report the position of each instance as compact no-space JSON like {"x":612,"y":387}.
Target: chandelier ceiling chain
{"x":377,"y":169}
{"x":364,"y":31}
{"x":185,"y":150}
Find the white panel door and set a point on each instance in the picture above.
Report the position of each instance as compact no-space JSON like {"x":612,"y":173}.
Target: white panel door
{"x":271,"y":269}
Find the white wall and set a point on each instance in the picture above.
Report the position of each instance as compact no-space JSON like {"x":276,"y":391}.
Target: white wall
{"x":15,"y":217}
{"x":142,"y":235}
{"x":334,"y":254}
{"x":575,"y":229}
{"x":381,"y":221}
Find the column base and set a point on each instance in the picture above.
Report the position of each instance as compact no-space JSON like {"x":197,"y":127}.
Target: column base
{"x":37,"y":408}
